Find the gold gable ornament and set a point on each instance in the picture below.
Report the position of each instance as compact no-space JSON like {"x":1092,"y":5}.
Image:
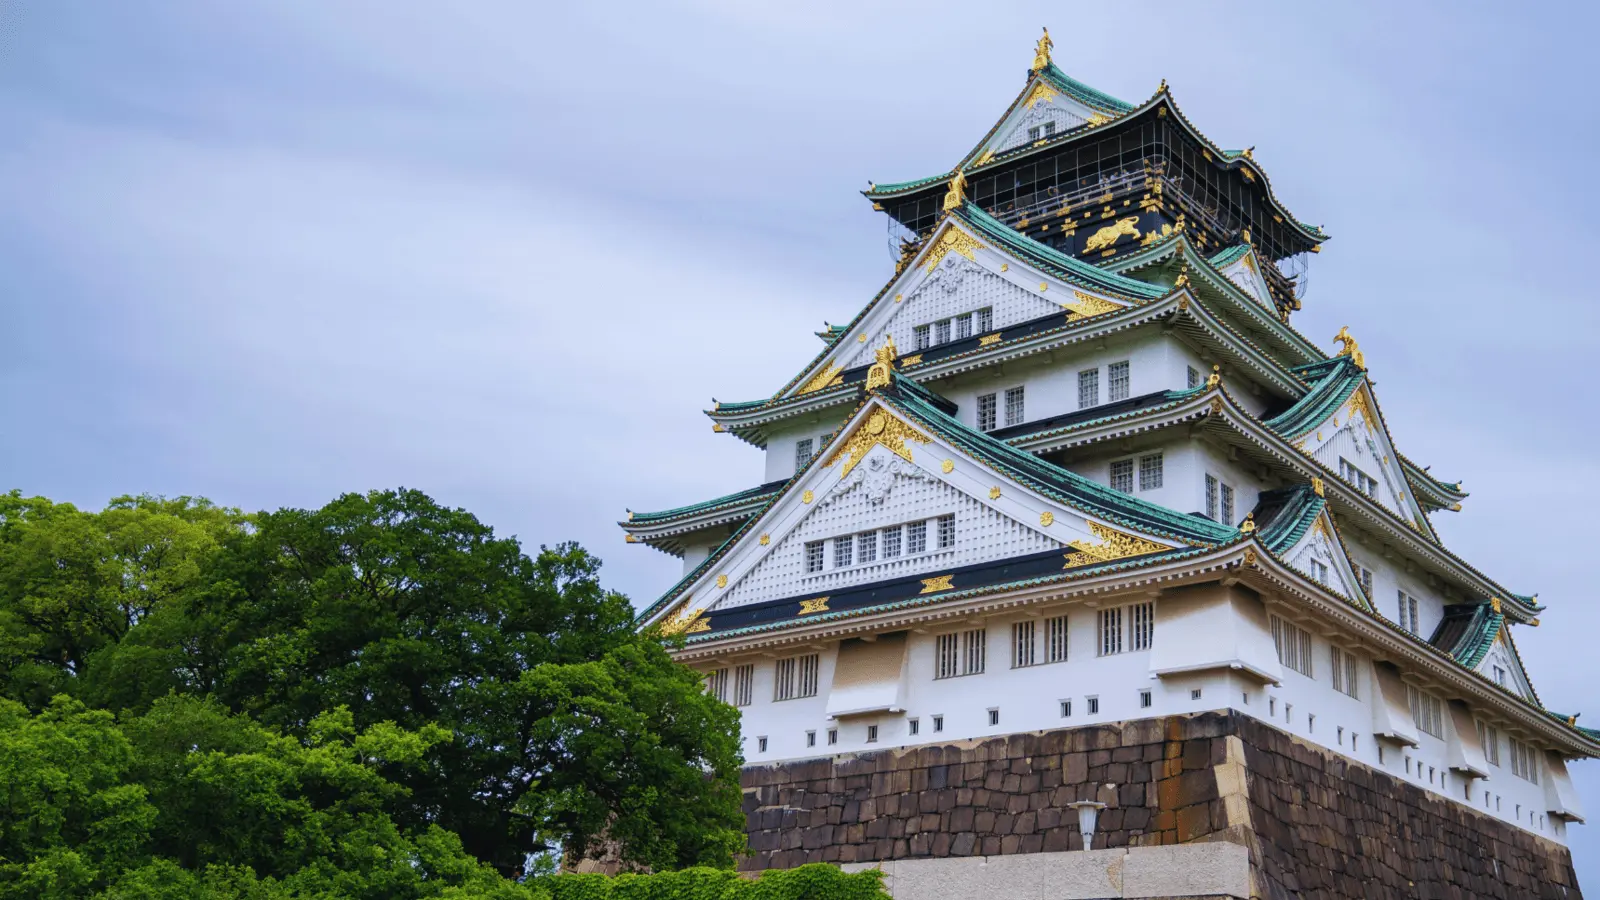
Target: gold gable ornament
{"x":828,"y":377}
{"x":880,"y":428}
{"x":807,"y":607}
{"x":1112,"y":545}
{"x":685,"y":622}
{"x":880,"y":372}
{"x":954,"y":197}
{"x":1041,"y":52}
{"x":1248,"y":526}
{"x":953,"y":240}
{"x":1350,"y":348}
{"x":1086,"y":305}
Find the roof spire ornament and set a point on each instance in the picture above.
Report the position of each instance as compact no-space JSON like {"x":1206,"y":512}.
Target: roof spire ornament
{"x":878,"y":374}
{"x":1248,"y":526}
{"x":954,"y":197}
{"x":1041,"y":52}
{"x":1215,"y":378}
{"x":1350,"y":348}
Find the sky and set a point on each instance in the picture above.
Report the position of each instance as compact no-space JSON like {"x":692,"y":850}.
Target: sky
{"x":506,"y":252}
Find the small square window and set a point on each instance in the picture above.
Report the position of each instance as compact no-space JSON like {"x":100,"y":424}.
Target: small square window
{"x":1195,"y":694}
{"x":1066,"y":709}
{"x":913,"y":726}
{"x":1145,"y":699}
{"x":985,"y":319}
{"x":843,"y":551}
{"x":938,"y":723}
{"x":1014,"y":405}
{"x":994,"y":717}
{"x":833,"y":735}
{"x":761,"y":745}
{"x":811,"y":739}
{"x":802,"y":453}
{"x":872,"y":734}
{"x":1150,"y":472}
{"x":1094,"y":705}
{"x":814,"y":556}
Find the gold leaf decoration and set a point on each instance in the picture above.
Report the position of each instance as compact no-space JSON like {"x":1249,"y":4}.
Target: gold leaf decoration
{"x":1041,"y":52}
{"x":1108,"y":235}
{"x":880,"y":428}
{"x":936,"y":584}
{"x":685,"y":622}
{"x":1350,"y":348}
{"x":911,"y":360}
{"x":1086,"y":305}
{"x":994,"y":493}
{"x":822,"y":378}
{"x":807,"y":607}
{"x":766,"y":539}
{"x":948,"y":466}
{"x":1360,"y":406}
{"x":1112,"y":545}
{"x":880,"y":372}
{"x":722,"y":581}
{"x":989,"y":339}
{"x":954,"y":240}
{"x":1042,"y":93}
{"x":807,"y":497}
{"x":954,"y":197}
{"x":1047,"y":519}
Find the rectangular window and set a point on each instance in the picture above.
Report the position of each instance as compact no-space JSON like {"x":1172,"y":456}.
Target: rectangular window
{"x":1343,"y":670}
{"x":1088,"y":388}
{"x":1524,"y":761}
{"x":1211,"y":499}
{"x":843,"y":551}
{"x":1035,"y":132}
{"x":813,"y":556}
{"x":912,"y":727}
{"x":947,"y":531}
{"x":1227,"y":504}
{"x":802,"y":453}
{"x":891,"y":542}
{"x":1427,"y":713}
{"x":963,"y":326}
{"x":1294,"y":646}
{"x":811,"y":739}
{"x":1110,"y":631}
{"x":938,"y":723}
{"x":1319,"y":571}
{"x":744,"y":682}
{"x":974,"y":650}
{"x":1014,"y":406}
{"x":994,"y":717}
{"x":833,"y":735}
{"x":1363,"y":482}
{"x":1150,"y":472}
{"x":872,"y":734}
{"x":1489,"y":737}
{"x":796,"y":678}
{"x":1408,"y":612}
{"x":941,"y":331}
{"x":959,"y":654}
{"x":1499,"y":676}
{"x":867,"y":546}
{"x":1194,"y":377}
{"x":985,"y":319}
{"x":761,"y":745}
{"x":1363,"y":575}
{"x":916,"y":537}
{"x":1022,"y":647}
{"x":1122,"y":476}
{"x":1146,"y":698}
{"x":717,"y":684}
{"x":986,"y":412}
{"x":1092,"y":704}
{"x":1142,"y":625}
{"x":1066,"y":709}
{"x":1055,"y":639}
{"x":919,"y":337}
{"x":1117,"y":381}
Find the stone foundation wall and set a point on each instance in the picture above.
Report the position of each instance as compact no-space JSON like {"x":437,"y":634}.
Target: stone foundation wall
{"x":1315,"y":825}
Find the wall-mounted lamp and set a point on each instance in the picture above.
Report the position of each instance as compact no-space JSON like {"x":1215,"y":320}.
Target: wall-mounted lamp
{"x":1088,"y":812}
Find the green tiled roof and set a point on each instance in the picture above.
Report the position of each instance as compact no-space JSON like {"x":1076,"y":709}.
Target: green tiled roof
{"x":734,"y":499}
{"x":1467,"y":631}
{"x":1063,"y":266}
{"x":899,"y":186}
{"x":1083,"y":93}
{"x":1332,"y":381}
{"x":1283,"y":516}
{"x":1230,"y":255}
{"x":831,"y":333}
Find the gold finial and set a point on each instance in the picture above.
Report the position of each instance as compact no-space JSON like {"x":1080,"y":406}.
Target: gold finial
{"x":1215,"y":378}
{"x":1250,"y":152}
{"x":957,"y":192}
{"x":1041,"y":52}
{"x":1163,"y":88}
{"x":878,"y":373}
{"x":1248,"y":526}
{"x":1318,"y":488}
{"x":1246,"y":234}
{"x":1494,"y":603}
{"x":1350,"y":348}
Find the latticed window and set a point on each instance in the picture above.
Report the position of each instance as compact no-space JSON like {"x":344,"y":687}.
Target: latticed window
{"x":1227,"y":504}
{"x":1489,"y":738}
{"x":958,"y":654}
{"x":1088,"y":388}
{"x":1055,"y":639}
{"x":1363,"y":575}
{"x":1110,"y":631}
{"x":1363,"y":482}
{"x":985,"y":319}
{"x":1122,"y":476}
{"x":1343,"y":669}
{"x":963,"y":326}
{"x":717,"y":684}
{"x":1013,"y":406}
{"x":986,"y":412}
{"x":941,"y":331}
{"x":947,"y":531}
{"x":1408,"y":612}
{"x":802,"y":453}
{"x":1294,"y":646}
{"x":744,"y":682}
{"x":1524,"y":761}
{"x":1319,"y":571}
{"x":1427,"y":713}
{"x":1117,"y":381}
{"x":867,"y":546}
{"x":1022,"y":649}
{"x":891,"y":542}
{"x":1142,"y":625}
{"x":796,"y":678}
{"x":916,"y":537}
{"x":1194,"y":377}
{"x":1150,"y":472}
{"x":843,"y":551}
{"x":813,"y":556}
{"x":919,"y":336}
{"x":974,"y":650}
{"x":1211,"y":498}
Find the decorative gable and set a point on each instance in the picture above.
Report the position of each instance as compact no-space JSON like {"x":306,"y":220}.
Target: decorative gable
{"x":1502,"y":666}
{"x":1044,"y":113}
{"x":1246,"y":273}
{"x":1320,"y":556}
{"x":1353,"y":443}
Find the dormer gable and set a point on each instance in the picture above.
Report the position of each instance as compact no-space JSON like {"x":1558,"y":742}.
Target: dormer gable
{"x":1240,"y":265}
{"x":1294,"y":524}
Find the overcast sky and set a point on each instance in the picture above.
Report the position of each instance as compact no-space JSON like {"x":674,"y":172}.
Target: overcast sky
{"x":507,"y":252}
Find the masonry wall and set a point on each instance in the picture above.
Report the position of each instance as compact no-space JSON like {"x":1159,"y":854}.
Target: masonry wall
{"x":1315,"y":824}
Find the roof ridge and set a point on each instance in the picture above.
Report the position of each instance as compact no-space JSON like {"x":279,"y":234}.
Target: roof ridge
{"x":975,"y":215}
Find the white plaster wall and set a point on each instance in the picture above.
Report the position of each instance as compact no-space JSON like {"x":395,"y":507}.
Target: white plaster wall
{"x":1390,"y":575}
{"x":1185,"y":464}
{"x":781,"y":443}
{"x":1065,"y":114}
{"x":1354,"y":441}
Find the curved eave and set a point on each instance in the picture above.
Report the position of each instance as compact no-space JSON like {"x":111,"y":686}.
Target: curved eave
{"x":1162,"y":99}
{"x":1431,"y":491}
{"x":1217,"y":409}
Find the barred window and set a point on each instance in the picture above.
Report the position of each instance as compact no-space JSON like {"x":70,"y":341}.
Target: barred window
{"x":1211,"y":498}
{"x":1194,"y":377}
{"x":985,"y":319}
{"x":1363,"y":482}
{"x":1055,"y":639}
{"x":986,"y":412}
{"x":1489,"y":738}
{"x":1363,"y":575}
{"x":947,"y":531}
{"x":1022,"y":650}
{"x":1142,"y":628}
{"x":744,"y":682}
{"x":1150,"y":472}
{"x":916,"y":537}
{"x":717,"y":684}
{"x":843,"y":551}
{"x":813,"y":556}
{"x":1500,"y":676}
{"x":1013,"y":406}
{"x":867,"y":546}
{"x":796,"y":678}
{"x":941,"y":331}
{"x":963,"y":326}
{"x":1524,"y":761}
{"x":1110,"y":631}
{"x":1427,"y":713}
{"x":959,"y":654}
{"x":1227,"y":504}
{"x":974,"y":650}
{"x":1117,"y":381}
{"x":1408,"y":612}
{"x":1094,"y":705}
{"x":802,"y":453}
{"x":919,"y":337}
{"x":1319,"y":571}
{"x":1088,"y":388}
{"x":1122,"y":476}
{"x":1294,"y":646}
{"x":1343,"y":669}
{"x":891,"y":542}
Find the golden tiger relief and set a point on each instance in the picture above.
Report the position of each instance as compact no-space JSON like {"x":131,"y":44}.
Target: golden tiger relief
{"x":1108,"y":235}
